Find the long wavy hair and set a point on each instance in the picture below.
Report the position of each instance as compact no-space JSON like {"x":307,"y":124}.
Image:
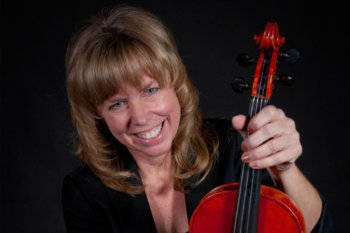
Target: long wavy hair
{"x":112,"y":48}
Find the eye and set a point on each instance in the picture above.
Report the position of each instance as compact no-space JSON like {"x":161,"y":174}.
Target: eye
{"x":117,"y":105}
{"x":151,"y":90}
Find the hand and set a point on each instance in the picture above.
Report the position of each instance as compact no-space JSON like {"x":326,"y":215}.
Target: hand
{"x":273,"y":141}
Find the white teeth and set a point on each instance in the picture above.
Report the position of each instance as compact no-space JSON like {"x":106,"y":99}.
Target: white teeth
{"x":152,"y":133}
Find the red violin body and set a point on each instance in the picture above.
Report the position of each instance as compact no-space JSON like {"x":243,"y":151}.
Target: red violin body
{"x":248,"y":207}
{"x":277,"y":212}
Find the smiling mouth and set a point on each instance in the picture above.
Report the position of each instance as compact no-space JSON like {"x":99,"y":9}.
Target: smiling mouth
{"x":152,"y":133}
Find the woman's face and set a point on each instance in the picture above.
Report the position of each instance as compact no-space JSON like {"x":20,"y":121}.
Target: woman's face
{"x":144,"y":119}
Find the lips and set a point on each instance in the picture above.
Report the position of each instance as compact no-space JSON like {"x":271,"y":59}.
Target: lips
{"x":151,"y":133}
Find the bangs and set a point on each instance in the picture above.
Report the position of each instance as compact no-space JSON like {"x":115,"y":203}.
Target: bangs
{"x":124,"y":61}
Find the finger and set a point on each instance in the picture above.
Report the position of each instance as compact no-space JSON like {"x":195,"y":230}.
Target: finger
{"x":239,"y":122}
{"x":266,"y":115}
{"x":271,"y":147}
{"x":271,"y":130}
{"x":278,"y":160}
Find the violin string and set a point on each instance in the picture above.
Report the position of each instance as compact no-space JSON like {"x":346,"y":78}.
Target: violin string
{"x":243,"y":188}
{"x":254,"y":190}
{"x":251,"y":177}
{"x":245,"y":194}
{"x":241,"y":200}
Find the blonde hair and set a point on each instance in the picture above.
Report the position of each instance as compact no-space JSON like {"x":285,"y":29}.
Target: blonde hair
{"x":114,"y":46}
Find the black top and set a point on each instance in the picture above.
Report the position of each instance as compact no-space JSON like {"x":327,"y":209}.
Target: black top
{"x":91,"y":207}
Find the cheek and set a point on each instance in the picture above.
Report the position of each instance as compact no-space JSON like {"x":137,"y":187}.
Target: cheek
{"x":177,"y":111}
{"x":170,"y":104}
{"x":174,"y":112}
{"x":168,"y":109}
{"x":116,"y":126}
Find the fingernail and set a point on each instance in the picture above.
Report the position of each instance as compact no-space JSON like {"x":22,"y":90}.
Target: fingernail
{"x":253,"y":165}
{"x":245,"y":158}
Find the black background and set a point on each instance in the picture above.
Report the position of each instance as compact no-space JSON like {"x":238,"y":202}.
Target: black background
{"x":36,"y":149}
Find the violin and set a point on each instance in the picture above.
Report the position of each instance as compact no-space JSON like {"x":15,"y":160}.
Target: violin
{"x":248,"y":206}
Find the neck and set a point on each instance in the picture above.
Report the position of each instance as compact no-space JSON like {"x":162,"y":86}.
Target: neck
{"x":157,"y":174}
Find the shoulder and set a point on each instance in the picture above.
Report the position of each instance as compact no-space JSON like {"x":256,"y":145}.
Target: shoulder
{"x":83,"y":201}
{"x":90,"y":206}
{"x":82,"y":181}
{"x":82,"y":190}
{"x":82,"y":176}
{"x":82,"y":173}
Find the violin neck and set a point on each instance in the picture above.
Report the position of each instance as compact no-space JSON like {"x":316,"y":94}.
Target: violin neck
{"x":247,"y":203}
{"x":256,"y":104}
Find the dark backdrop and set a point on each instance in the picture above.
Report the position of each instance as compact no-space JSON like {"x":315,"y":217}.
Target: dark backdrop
{"x":35,"y":119}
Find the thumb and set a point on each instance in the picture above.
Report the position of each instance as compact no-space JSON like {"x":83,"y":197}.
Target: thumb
{"x":239,"y":122}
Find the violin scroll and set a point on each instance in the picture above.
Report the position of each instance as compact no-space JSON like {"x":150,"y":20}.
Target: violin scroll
{"x":269,"y":42}
{"x":270,"y":38}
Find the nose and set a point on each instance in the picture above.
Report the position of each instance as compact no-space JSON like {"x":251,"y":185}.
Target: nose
{"x":139,"y":113}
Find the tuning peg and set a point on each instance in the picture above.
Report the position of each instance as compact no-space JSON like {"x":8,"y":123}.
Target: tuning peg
{"x":245,"y":60}
{"x":292,"y":56}
{"x":284,"y":79}
{"x":239,"y":85}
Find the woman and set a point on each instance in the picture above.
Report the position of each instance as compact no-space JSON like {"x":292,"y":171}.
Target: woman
{"x":148,"y":156}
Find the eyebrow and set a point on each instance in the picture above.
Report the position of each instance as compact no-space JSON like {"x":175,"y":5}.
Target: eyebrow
{"x":148,"y":85}
{"x":144,"y":86}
